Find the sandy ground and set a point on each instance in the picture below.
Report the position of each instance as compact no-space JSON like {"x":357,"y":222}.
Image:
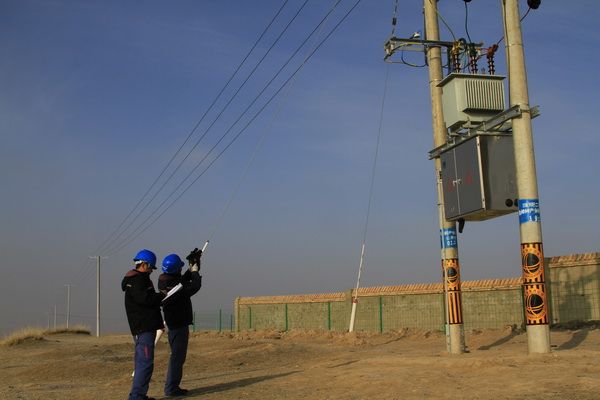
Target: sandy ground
{"x":271,"y":365}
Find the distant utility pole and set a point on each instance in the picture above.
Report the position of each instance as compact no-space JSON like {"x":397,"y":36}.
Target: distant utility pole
{"x":68,"y":304}
{"x":98,"y":295}
{"x":532,"y":255}
{"x":450,"y":267}
{"x":55,"y":316}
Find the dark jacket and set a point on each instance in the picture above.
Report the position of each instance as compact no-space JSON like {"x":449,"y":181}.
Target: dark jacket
{"x":178,"y":308}
{"x":142,"y":303}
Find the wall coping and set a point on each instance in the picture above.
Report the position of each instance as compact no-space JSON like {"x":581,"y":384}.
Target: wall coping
{"x":423,"y":288}
{"x":573,"y":260}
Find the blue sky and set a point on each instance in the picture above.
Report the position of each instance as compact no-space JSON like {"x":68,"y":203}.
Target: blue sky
{"x":98,"y":96}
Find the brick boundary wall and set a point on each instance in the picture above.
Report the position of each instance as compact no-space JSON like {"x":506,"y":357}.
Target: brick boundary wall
{"x":574,"y":294}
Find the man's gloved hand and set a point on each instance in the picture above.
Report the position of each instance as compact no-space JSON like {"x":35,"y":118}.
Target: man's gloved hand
{"x":194,"y":259}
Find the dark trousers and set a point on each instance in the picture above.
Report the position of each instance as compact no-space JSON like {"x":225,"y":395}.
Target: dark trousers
{"x":178,"y":340}
{"x":144,"y":364}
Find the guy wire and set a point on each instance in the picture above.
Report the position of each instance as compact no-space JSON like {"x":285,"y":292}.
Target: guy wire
{"x":372,"y":182}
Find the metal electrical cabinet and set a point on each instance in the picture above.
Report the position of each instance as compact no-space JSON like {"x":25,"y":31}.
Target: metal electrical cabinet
{"x":479,"y":180}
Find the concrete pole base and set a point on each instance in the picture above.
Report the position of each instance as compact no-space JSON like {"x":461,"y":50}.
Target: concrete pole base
{"x":457,"y":339}
{"x":538,"y":339}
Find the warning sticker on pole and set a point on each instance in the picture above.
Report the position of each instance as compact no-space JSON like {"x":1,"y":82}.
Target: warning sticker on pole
{"x":529,"y":211}
{"x":448,"y":238}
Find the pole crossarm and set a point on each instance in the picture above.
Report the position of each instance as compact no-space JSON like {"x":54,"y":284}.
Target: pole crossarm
{"x":394,"y":43}
{"x":423,"y":46}
{"x":493,"y":126}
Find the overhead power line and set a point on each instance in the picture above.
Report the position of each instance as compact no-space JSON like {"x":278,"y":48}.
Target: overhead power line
{"x":85,"y":271}
{"x":141,"y":228}
{"x":117,"y":240}
{"x":101,"y":248}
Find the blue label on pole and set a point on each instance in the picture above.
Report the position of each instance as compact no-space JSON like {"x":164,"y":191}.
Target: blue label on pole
{"x":529,"y":210}
{"x":448,"y":238}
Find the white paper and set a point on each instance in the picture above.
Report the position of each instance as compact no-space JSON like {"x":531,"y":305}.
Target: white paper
{"x":173,"y":291}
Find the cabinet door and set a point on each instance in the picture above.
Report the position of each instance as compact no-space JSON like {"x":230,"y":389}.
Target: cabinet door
{"x":499,"y":171}
{"x":468,"y":176}
{"x":450,"y":188}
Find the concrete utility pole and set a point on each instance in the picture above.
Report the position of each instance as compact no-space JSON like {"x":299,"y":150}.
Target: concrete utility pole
{"x":68,"y":304}
{"x":98,"y":295}
{"x":450,"y":267}
{"x":532,"y":255}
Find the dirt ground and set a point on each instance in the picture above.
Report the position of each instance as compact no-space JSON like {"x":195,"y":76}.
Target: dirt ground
{"x":273,"y":365}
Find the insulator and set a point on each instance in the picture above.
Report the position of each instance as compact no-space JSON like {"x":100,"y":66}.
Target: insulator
{"x":473,"y":58}
{"x":456,"y":56}
{"x":490,"y":56}
{"x":491,"y":68}
{"x":473,"y":64}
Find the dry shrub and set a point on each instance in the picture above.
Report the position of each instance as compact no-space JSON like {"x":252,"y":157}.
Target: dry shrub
{"x":23,"y":335}
{"x":38,"y":334}
{"x":63,"y":329}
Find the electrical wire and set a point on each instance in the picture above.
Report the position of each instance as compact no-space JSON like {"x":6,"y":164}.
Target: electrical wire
{"x":262,"y":139}
{"x":229,"y":130}
{"x":83,"y":272}
{"x":87,"y":272}
{"x":466,"y":21}
{"x":141,"y":227}
{"x":522,"y":18}
{"x":202,"y":119}
{"x":442,"y":18}
{"x":394,"y":18}
{"x":256,"y":98}
{"x":410,"y":64}
{"x":402,"y":60}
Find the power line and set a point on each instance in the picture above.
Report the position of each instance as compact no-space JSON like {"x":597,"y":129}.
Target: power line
{"x":132,"y":236}
{"x":85,"y":271}
{"x":260,"y":143}
{"x":207,"y":130}
{"x":186,"y":140}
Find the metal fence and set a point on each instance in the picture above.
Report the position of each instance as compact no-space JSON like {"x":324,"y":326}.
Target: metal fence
{"x":575,"y":301}
{"x":216,"y":320}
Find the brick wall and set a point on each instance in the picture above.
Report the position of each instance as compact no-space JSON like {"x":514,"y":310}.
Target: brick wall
{"x":574,"y":294}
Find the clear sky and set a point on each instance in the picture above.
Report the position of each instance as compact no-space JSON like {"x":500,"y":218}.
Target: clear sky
{"x":96,"y":98}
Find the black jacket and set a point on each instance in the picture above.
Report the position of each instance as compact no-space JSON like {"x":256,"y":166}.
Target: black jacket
{"x":142,"y":303}
{"x":178,"y":308}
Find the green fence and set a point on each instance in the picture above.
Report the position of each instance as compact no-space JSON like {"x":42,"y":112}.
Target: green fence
{"x":493,"y":310}
{"x":217,"y":320}
{"x":482,"y":309}
{"x":575,"y":300}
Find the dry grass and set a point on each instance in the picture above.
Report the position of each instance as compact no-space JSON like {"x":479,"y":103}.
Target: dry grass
{"x":38,"y":334}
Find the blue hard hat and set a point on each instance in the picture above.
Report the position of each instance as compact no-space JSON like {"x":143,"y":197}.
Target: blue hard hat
{"x":147,"y":256}
{"x":172,"y":263}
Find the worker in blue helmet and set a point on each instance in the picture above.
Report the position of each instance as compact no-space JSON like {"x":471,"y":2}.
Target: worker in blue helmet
{"x":142,"y":305}
{"x":177,"y":309}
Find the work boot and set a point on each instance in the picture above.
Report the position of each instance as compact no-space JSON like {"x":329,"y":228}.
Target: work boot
{"x":178,"y":392}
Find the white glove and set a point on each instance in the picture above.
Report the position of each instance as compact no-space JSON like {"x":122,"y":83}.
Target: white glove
{"x":195,"y":268}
